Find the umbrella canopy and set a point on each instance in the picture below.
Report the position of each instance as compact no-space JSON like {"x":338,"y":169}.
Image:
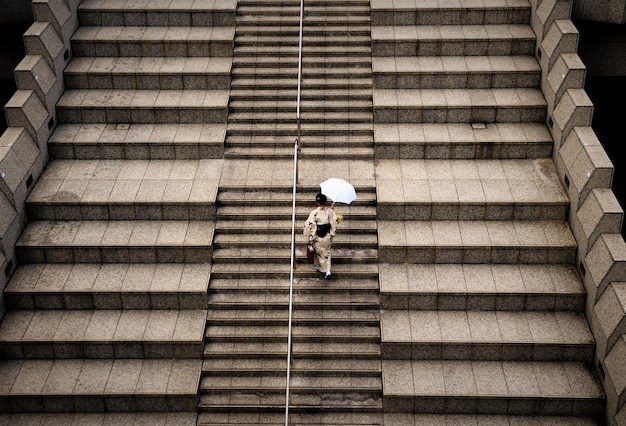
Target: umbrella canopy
{"x":338,"y":190}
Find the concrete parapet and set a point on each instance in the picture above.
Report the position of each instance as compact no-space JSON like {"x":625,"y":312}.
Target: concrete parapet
{"x":582,"y":164}
{"x":26,"y":110}
{"x":568,"y":72}
{"x":33,"y":73}
{"x":615,"y":381}
{"x":11,"y":225}
{"x":21,"y":164}
{"x":57,"y":13}
{"x":42,"y":39}
{"x":562,"y":37}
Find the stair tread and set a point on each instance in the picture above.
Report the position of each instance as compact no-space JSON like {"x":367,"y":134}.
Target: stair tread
{"x":490,"y":379}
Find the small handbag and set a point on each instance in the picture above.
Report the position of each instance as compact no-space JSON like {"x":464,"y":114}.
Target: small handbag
{"x":310,"y":252}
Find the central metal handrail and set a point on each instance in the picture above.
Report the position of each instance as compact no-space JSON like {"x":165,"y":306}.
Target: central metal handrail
{"x":293,"y":220}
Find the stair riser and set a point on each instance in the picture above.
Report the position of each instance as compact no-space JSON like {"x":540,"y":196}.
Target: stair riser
{"x":133,"y":48}
{"x":463,"y":151}
{"x":136,"y":81}
{"x":141,"y":115}
{"x":113,"y":254}
{"x":523,"y":405}
{"x":109,"y":402}
{"x":522,"y":352}
{"x":160,"y":18}
{"x":456,"y":80}
{"x":106,"y":300}
{"x":120,"y":211}
{"x":451,"y":16}
{"x":474,"y":211}
{"x":453,"y":48}
{"x":463,"y":114}
{"x":486,"y":254}
{"x":99,"y":350}
{"x":135,"y":151}
{"x":484,"y":301}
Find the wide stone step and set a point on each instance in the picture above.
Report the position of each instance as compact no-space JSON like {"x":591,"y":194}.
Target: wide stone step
{"x":108,"y":286}
{"x":459,"y":106}
{"x":455,"y":72}
{"x":285,"y":124}
{"x":138,"y":41}
{"x":479,"y":287}
{"x":522,"y":190}
{"x":259,"y":63}
{"x":491,"y":387}
{"x":486,"y":335}
{"x":231,"y":216}
{"x":56,"y":334}
{"x":462,"y":140}
{"x":277,"y":255}
{"x":452,"y":40}
{"x":143,"y":106}
{"x":302,"y":366}
{"x":127,"y":141}
{"x":271,"y":240}
{"x":276,"y":383}
{"x":347,"y":98}
{"x":280,"y":270}
{"x":148,"y":73}
{"x":329,"y":308}
{"x":331,"y":29}
{"x":440,"y":13}
{"x":266,"y":16}
{"x":116,"y":242}
{"x":171,"y":13}
{"x":333,"y":333}
{"x":291,"y":49}
{"x":269,"y":153}
{"x":121,"y":385}
{"x":303,"y":287}
{"x":272,"y":350}
{"x":509,"y":242}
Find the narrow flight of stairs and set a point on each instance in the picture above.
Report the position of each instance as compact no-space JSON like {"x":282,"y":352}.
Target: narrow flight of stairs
{"x":335,"y":376}
{"x":336,"y":96}
{"x":481,"y":307}
{"x":107,"y":309}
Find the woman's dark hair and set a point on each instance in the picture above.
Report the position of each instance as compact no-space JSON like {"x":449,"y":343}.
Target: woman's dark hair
{"x":320,"y":199}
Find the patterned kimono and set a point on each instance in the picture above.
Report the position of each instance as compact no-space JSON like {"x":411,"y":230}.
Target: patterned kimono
{"x":320,"y":227}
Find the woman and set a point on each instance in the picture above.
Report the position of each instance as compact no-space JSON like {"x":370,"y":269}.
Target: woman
{"x":320,"y":229}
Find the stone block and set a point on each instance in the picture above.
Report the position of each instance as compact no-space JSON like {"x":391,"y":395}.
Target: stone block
{"x":548,"y":11}
{"x":561,"y":37}
{"x":574,"y":109}
{"x":615,"y":377}
{"x":600,"y":214}
{"x":58,"y":13}
{"x":34,"y":73}
{"x":21,"y":164}
{"x":568,"y":72}
{"x":26,"y":110}
{"x":42,"y":39}
{"x":605,"y":263}
{"x":582,"y":165}
{"x":10,"y":227}
{"x":611,"y":319}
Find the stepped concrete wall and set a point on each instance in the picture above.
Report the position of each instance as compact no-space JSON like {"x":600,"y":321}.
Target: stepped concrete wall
{"x":583,"y":166}
{"x":586,"y":172}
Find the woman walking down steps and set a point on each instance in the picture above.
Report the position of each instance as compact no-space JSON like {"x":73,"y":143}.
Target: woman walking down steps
{"x":320,"y":227}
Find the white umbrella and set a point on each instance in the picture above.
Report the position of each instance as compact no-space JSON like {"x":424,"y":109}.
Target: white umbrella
{"x":338,"y":190}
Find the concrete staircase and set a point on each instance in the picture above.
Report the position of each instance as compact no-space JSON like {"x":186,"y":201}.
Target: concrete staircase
{"x":335,"y":376}
{"x":336,"y":95}
{"x":154,"y":271}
